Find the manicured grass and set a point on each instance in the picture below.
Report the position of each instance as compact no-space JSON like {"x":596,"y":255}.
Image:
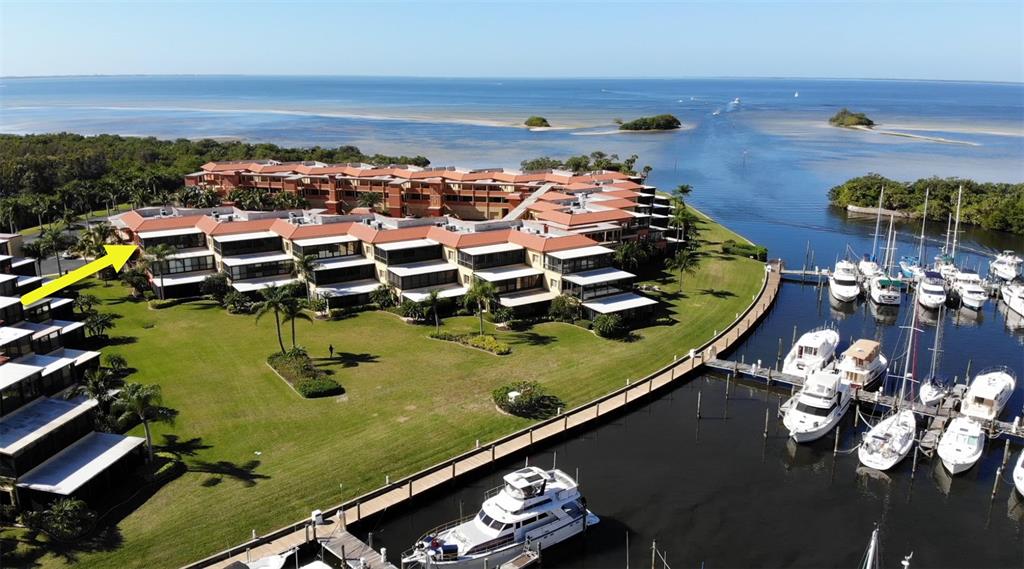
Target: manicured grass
{"x":28,"y":231}
{"x":410,"y":402}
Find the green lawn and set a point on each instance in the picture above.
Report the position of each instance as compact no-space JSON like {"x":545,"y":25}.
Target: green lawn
{"x":410,"y":402}
{"x":28,"y":231}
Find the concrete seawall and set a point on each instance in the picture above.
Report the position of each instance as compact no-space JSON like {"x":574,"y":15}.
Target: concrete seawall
{"x":398,"y":491}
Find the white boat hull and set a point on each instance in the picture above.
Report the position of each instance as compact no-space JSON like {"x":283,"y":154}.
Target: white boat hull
{"x":843,"y":293}
{"x":803,"y":432}
{"x":1018,"y":474}
{"x":931,"y":301}
{"x":901,"y":427}
{"x":930,"y":393}
{"x":958,"y":467}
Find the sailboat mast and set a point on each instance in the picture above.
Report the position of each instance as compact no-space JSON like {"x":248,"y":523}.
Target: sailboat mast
{"x":924,"y":221}
{"x":878,"y":224}
{"x":949,"y":227}
{"x":907,"y":375}
{"x":889,"y":248}
{"x":956,"y":224}
{"x":938,"y":342}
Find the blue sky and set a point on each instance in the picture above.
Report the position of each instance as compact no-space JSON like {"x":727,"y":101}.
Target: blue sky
{"x":909,"y":40}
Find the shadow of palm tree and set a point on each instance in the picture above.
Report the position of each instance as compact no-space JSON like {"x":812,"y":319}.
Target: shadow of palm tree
{"x":182,"y":447}
{"x":532,"y":339}
{"x":717,"y":293}
{"x":244,"y":473}
{"x":28,"y":550}
{"x":347,"y":360}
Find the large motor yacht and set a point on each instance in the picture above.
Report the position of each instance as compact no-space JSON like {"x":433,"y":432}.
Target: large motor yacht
{"x":1013,"y":296}
{"x":817,"y":408}
{"x":535,"y":507}
{"x":1006,"y":266}
{"x":862,"y":364}
{"x":842,"y":283}
{"x":812,"y":352}
{"x":988,"y":393}
{"x":968,"y":289}
{"x":931,"y":291}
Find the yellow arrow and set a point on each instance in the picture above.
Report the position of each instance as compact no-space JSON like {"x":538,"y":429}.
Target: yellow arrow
{"x":117,"y":256}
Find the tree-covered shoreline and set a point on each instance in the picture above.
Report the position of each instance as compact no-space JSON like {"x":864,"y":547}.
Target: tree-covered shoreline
{"x":998,"y":206}
{"x":44,"y":177}
{"x":847,"y":118}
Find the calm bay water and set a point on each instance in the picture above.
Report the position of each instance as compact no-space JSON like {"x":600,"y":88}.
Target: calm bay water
{"x":719,"y":494}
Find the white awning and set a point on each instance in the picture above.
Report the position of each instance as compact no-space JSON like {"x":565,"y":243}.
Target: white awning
{"x":422,"y":268}
{"x":190,"y":253}
{"x":39,"y":330}
{"x":489,"y":249}
{"x":9,"y":334}
{"x":618,"y":303}
{"x":49,"y":364}
{"x":72,"y":467}
{"x":363,"y":286}
{"x":411,"y":244}
{"x":183,"y":278}
{"x":81,"y":357}
{"x":597,"y":276}
{"x":580,"y":252}
{"x":6,"y":301}
{"x":244,"y":236}
{"x":507,"y":272}
{"x":169,"y":232}
{"x":254,"y":258}
{"x":250,"y":285}
{"x":443,"y":291}
{"x":524,"y":297}
{"x":11,"y":373}
{"x":342,"y":262}
{"x":330,"y":240}
{"x":37,"y":419}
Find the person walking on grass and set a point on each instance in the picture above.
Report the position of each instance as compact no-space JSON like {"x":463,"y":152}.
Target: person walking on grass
{"x":330,"y":350}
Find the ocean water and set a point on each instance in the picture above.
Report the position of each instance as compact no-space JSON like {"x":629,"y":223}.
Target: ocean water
{"x":718,"y":492}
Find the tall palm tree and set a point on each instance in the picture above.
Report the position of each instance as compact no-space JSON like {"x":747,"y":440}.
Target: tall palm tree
{"x":682,"y":190}
{"x":98,"y":323}
{"x":293,"y":310}
{"x":274,"y":300}
{"x":35,"y":250}
{"x":9,"y":212}
{"x":684,"y":261}
{"x":681,"y":219}
{"x":369,"y":200}
{"x":141,"y":402}
{"x":628,"y":255}
{"x":97,"y":384}
{"x":304,"y":267}
{"x":54,"y":242}
{"x":480,"y":296}
{"x":157,"y":256}
{"x":430,"y":303}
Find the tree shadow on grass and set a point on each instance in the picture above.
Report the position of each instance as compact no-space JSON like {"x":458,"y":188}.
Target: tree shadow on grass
{"x":720,"y":294}
{"x":346,"y":360}
{"x":244,"y":473}
{"x":33,"y":546}
{"x":532,"y":339}
{"x":182,"y":447}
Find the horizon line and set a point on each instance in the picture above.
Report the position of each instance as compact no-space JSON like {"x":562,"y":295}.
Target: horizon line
{"x":515,"y":77}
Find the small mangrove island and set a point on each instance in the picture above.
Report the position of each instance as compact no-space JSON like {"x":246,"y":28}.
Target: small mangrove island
{"x":657,"y":122}
{"x":998,"y":206}
{"x":537,"y":122}
{"x":846,"y":118}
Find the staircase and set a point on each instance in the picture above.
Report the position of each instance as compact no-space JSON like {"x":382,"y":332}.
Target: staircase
{"x":530,"y":200}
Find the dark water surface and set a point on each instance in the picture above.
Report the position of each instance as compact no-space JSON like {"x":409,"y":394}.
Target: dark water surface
{"x":714,"y":493}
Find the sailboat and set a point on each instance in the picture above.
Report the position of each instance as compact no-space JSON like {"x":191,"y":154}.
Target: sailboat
{"x":882,"y":288}
{"x":889,"y":441}
{"x":868,"y":267}
{"x":933,"y":389}
{"x":912,"y":267}
{"x":873,"y":555}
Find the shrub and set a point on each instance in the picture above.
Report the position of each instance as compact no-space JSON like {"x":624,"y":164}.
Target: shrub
{"x":410,"y":309}
{"x":384,"y":296}
{"x":532,"y":400}
{"x":237,"y":303}
{"x":486,"y":343}
{"x":731,"y":247}
{"x":657,"y":122}
{"x":318,"y":305}
{"x":320,"y":387}
{"x":536,"y":121}
{"x":609,"y":326}
{"x":564,"y":308}
{"x":503,"y":315}
{"x":65,"y":519}
{"x":216,"y":287}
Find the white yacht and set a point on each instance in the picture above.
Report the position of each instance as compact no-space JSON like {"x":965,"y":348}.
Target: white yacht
{"x":818,"y":407}
{"x":968,"y":289}
{"x":889,"y":441}
{"x":1005,"y":266}
{"x":988,"y":393}
{"x":961,"y":444}
{"x":931,"y":292}
{"x":1013,"y":296}
{"x":812,"y":352}
{"x":1018,"y":474}
{"x":534,"y":506}
{"x":842,"y":283}
{"x":885,"y":290}
{"x":862,"y":364}
{"x":868,"y":268}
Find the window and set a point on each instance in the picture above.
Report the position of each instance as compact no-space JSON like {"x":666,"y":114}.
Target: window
{"x":816,"y":411}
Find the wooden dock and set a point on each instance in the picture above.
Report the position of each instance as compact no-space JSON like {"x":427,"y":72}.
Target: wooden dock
{"x":395,"y":492}
{"x":527,"y":558}
{"x":354,"y":553}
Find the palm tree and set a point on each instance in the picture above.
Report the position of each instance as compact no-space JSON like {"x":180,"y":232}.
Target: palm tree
{"x":628,"y":255}
{"x":430,"y":303}
{"x":293,"y":310}
{"x":97,"y":384}
{"x":54,"y":242}
{"x":98,"y":323}
{"x":681,"y":219}
{"x":9,"y":212}
{"x":274,"y":300}
{"x":684,"y":261}
{"x":681,"y":191}
{"x":480,"y":295}
{"x":304,"y":267}
{"x":142,"y":402}
{"x":85,"y":302}
{"x":35,"y":250}
{"x":157,"y":256}
{"x":369,"y":200}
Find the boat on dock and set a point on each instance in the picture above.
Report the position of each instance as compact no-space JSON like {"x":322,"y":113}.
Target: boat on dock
{"x":842,"y":283}
{"x":961,"y":444}
{"x":885,"y":290}
{"x":1013,"y":296}
{"x":988,"y":393}
{"x":969,"y":290}
{"x":911,"y":268}
{"x":533,"y":506}
{"x":862,"y":364}
{"x":933,"y":389}
{"x":818,"y":407}
{"x":931,"y":290}
{"x":812,"y":352}
{"x":1005,"y":266}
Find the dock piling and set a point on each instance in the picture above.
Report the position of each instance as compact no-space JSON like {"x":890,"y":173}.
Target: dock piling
{"x":1006,"y":453}
{"x":995,"y":483}
{"x":835,"y":448}
{"x":766,"y":422}
{"x":913,"y":468}
{"x":698,"y":404}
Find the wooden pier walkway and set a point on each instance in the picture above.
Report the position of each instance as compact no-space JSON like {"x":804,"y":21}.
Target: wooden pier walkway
{"x":354,"y":553}
{"x":398,"y":491}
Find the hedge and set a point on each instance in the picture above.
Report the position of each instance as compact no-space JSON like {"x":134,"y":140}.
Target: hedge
{"x":486,"y":343}
{"x":320,"y":387}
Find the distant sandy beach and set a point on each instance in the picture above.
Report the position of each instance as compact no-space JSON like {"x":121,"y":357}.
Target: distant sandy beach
{"x":914,"y":136}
